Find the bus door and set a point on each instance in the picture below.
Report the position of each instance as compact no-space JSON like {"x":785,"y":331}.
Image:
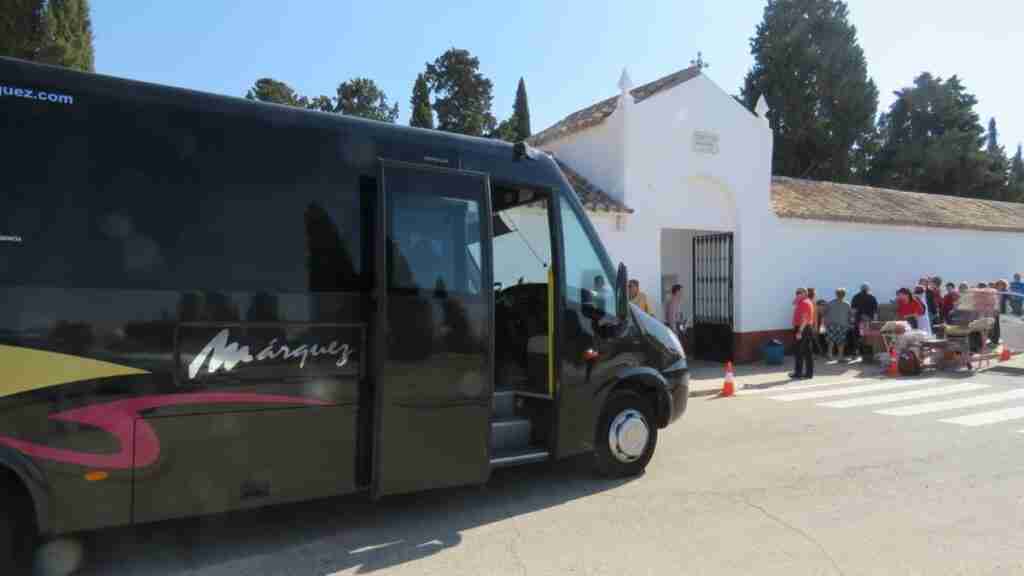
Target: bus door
{"x":434,"y":337}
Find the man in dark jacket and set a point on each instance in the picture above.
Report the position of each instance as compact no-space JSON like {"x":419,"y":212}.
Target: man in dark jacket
{"x":934,"y":297}
{"x":865,"y":309}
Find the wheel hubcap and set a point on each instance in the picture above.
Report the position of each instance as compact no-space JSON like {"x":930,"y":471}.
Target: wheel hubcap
{"x":627,"y":436}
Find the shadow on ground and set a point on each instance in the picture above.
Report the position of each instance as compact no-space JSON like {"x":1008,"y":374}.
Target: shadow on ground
{"x":341,"y":533}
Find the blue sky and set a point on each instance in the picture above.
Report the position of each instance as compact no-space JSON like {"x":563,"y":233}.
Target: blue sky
{"x":570,"y":52}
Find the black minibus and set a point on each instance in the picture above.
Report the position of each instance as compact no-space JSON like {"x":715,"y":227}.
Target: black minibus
{"x":209,"y":304}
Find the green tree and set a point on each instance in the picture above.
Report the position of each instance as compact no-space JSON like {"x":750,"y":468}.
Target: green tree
{"x":422,"y":116}
{"x":521,"y":112}
{"x":321,"y":103}
{"x":1015,"y":182}
{"x":462,"y":94}
{"x":21,"y":28}
{"x":810,"y":68}
{"x":998,"y":165}
{"x":67,"y":35}
{"x":932,"y":141}
{"x":362,"y":97}
{"x":276,"y":92}
{"x":506,"y":130}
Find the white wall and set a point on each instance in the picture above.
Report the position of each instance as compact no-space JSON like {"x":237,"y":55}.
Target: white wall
{"x":597,"y":154}
{"x":672,"y":186}
{"x":669,"y":184}
{"x":827,"y":255}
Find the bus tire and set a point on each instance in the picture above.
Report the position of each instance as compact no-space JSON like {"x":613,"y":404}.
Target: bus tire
{"x":17,"y":529}
{"x":627,"y":433}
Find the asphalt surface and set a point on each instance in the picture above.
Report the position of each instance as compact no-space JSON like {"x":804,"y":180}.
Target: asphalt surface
{"x":768,"y":482}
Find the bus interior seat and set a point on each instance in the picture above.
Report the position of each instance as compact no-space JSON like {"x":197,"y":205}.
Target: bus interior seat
{"x":521,"y":339}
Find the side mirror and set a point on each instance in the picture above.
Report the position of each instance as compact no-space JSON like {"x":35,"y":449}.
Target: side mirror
{"x":622,"y":293}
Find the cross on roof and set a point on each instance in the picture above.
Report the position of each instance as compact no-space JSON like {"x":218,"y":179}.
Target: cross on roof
{"x":699,"y":62}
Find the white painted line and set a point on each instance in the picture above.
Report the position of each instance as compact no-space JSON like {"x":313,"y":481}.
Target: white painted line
{"x":902,"y":396}
{"x":794,"y":387}
{"x":945,"y":405}
{"x":983,"y":418}
{"x":851,"y":390}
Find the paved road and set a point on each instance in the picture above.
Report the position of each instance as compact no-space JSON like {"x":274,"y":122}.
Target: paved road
{"x":869,"y":477}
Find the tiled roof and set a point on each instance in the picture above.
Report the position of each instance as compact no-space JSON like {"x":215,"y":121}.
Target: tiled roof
{"x":597,"y":113}
{"x":592,"y":197}
{"x":812,"y":200}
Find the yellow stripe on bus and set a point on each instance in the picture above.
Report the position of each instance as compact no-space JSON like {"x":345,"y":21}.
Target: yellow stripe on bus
{"x":551,"y":332}
{"x":25,"y":369}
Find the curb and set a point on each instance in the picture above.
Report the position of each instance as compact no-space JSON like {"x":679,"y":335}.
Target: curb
{"x":702,"y":393}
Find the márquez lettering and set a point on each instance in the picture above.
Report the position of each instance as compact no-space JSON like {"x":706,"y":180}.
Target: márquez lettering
{"x":220,"y":353}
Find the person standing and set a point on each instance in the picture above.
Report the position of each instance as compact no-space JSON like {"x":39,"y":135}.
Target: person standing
{"x":637,"y":297}
{"x":934,"y":299}
{"x":803,"y":328}
{"x":949,"y":301}
{"x":865,"y":311}
{"x":674,"y":310}
{"x":924,"y":319}
{"x":1002,"y":301}
{"x":837,"y":323}
{"x":1017,"y":302}
{"x":816,"y":322}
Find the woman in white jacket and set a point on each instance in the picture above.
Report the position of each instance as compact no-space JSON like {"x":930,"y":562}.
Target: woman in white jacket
{"x":924,"y":321}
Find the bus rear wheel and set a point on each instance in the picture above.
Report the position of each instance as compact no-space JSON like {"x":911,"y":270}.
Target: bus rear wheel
{"x":626,"y":436}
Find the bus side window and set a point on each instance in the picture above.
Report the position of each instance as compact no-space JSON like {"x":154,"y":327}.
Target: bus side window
{"x":588,"y":283}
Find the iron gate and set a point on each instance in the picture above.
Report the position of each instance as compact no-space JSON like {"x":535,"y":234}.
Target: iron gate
{"x":713,"y":297}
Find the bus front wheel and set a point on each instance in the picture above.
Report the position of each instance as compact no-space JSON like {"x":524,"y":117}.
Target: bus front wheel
{"x":17,"y":531}
{"x":626,"y":435}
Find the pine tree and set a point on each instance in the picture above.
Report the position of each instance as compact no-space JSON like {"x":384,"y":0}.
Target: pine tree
{"x":277,"y":92}
{"x":810,"y":68}
{"x":21,"y":28}
{"x":362,"y":97}
{"x":1015,"y":183}
{"x":462,"y":94}
{"x":521,"y":113}
{"x":321,"y":103}
{"x":932,"y":141}
{"x":422,"y":116}
{"x":67,"y":39}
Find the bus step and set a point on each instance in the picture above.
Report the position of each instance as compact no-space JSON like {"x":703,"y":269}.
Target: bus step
{"x":510,"y":433}
{"x":518,"y":456}
{"x":504,"y":405}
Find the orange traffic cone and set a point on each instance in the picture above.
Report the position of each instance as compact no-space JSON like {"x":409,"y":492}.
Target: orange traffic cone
{"x":894,"y":369}
{"x":1005,"y":355}
{"x":729,"y":387}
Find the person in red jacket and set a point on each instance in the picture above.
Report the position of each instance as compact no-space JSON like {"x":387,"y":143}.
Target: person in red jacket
{"x":803,"y":328}
{"x":907,"y":307}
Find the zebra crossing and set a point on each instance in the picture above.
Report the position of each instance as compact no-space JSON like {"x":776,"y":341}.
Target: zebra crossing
{"x":963,"y":403}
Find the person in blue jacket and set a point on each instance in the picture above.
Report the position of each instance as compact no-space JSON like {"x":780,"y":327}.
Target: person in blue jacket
{"x":1017,"y":287}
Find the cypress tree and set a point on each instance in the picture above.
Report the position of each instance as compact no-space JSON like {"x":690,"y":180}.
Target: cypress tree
{"x":1015,"y":186}
{"x":422,"y":115}
{"x":21,"y":28}
{"x":813,"y":73}
{"x":521,"y":113}
{"x":68,"y":35}
{"x":999,"y":165}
